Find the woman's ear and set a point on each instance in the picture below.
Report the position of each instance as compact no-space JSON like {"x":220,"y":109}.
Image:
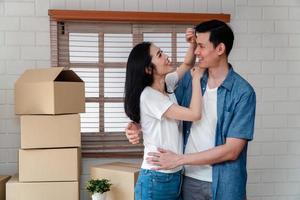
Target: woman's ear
{"x":148,"y":70}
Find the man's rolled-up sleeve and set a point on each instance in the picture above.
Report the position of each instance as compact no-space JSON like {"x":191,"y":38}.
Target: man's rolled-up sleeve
{"x":242,"y":122}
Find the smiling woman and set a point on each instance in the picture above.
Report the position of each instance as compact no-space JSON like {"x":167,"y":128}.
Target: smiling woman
{"x":96,"y":45}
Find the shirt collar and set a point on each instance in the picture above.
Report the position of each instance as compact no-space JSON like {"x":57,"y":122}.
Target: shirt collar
{"x":228,"y":81}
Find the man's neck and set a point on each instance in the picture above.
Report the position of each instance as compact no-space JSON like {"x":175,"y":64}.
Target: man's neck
{"x":216,"y":75}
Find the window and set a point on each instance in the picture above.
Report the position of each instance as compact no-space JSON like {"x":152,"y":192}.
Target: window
{"x":96,"y":46}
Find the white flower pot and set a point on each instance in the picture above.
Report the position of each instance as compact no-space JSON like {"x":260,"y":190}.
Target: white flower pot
{"x":99,"y":196}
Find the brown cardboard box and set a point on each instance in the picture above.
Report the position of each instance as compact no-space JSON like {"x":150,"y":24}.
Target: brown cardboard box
{"x":49,"y":165}
{"x":123,"y":176}
{"x":49,"y":91}
{"x":3,"y":180}
{"x":16,"y":190}
{"x":50,"y":131}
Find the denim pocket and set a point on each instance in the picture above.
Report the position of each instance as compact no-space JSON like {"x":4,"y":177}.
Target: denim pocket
{"x":153,"y":185}
{"x":166,"y":186}
{"x":163,"y":178}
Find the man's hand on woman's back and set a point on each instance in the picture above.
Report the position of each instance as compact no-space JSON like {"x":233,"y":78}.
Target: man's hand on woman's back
{"x":133,"y":132}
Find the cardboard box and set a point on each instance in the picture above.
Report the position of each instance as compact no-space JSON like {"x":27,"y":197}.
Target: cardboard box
{"x":123,"y":176}
{"x":49,"y":165}
{"x":3,"y":180}
{"x":50,"y":131}
{"x":16,"y":190}
{"x":49,"y":91}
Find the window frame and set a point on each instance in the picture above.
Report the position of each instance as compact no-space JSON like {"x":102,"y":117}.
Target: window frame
{"x":59,"y":17}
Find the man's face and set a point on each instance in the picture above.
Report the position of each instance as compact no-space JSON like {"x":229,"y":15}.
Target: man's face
{"x":205,"y":52}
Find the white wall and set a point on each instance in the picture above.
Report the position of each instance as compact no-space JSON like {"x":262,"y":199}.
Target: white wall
{"x":266,"y":52}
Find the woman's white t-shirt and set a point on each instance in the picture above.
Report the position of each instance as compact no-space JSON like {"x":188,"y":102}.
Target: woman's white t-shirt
{"x":159,"y":131}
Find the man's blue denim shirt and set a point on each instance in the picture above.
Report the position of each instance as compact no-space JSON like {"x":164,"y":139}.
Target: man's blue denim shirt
{"x":236,"y":102}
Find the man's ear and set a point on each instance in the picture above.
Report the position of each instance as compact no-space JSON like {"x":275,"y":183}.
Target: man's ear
{"x":221,"y":49}
{"x":148,"y":70}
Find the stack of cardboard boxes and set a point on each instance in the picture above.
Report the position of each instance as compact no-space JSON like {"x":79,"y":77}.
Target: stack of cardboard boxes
{"x":48,"y":101}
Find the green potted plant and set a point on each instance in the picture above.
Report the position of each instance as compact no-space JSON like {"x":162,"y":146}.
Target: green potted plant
{"x":98,"y":188}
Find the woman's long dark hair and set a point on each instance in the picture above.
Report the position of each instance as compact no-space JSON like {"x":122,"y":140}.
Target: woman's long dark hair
{"x":139,"y":61}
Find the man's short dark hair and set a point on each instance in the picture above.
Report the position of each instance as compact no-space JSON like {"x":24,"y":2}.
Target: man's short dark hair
{"x":219,"y":31}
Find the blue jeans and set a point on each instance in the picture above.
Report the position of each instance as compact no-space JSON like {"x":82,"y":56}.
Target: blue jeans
{"x":153,"y":185}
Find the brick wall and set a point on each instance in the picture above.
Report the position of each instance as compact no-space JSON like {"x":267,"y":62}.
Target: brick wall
{"x":266,"y":52}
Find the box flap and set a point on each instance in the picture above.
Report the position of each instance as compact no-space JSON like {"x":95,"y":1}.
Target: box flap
{"x":68,"y":75}
{"x":3,"y":177}
{"x":40,"y":75}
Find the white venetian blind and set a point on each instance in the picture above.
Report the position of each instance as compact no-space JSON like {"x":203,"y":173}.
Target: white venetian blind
{"x":98,"y":53}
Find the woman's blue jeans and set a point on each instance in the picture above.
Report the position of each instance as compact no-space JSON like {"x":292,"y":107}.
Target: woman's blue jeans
{"x":153,"y":185}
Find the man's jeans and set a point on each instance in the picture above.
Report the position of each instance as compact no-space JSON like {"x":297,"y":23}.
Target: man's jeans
{"x":193,"y":189}
{"x":153,"y":185}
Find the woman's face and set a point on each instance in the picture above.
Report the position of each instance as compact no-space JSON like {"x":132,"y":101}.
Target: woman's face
{"x":161,"y":61}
